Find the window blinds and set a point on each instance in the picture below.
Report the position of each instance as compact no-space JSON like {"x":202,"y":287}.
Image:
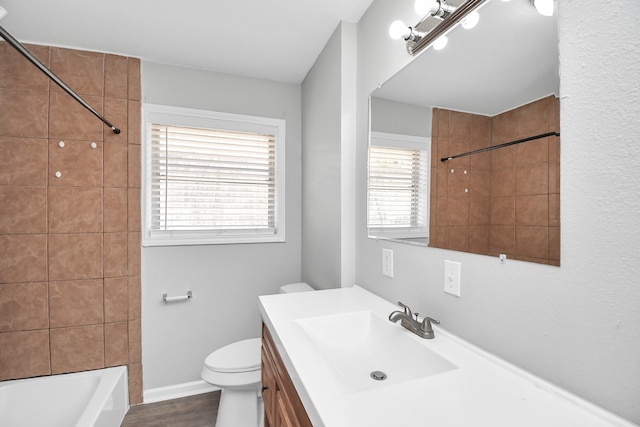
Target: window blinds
{"x":397,"y":188}
{"x":207,"y":179}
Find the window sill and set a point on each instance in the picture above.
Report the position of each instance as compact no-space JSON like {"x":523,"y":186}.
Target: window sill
{"x":153,"y":241}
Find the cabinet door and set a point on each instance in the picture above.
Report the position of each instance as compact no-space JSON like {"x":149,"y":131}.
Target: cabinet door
{"x":285,"y":415}
{"x":269,"y":388}
{"x":284,"y":408}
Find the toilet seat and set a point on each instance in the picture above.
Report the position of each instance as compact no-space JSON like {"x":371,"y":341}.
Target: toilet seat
{"x":241,"y":356}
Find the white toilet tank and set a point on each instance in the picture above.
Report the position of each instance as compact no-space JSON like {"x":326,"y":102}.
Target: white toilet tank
{"x":295,"y":287}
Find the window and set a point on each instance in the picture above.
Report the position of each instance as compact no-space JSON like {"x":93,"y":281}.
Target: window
{"x":212,"y":177}
{"x":397,"y":193}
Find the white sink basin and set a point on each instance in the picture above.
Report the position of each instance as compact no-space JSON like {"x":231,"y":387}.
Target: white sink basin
{"x":356,"y":344}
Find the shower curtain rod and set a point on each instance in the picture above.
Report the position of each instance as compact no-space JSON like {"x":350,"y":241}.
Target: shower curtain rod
{"x":506,"y":144}
{"x":35,"y":61}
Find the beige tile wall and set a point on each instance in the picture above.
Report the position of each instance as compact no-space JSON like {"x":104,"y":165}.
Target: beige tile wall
{"x":504,"y":201}
{"x":69,"y":245}
{"x":460,"y":187}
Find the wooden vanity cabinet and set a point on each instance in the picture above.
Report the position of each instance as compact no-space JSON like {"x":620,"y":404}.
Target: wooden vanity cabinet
{"x":282,"y":405}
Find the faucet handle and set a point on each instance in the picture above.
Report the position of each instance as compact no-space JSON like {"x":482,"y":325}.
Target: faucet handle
{"x":407,"y":310}
{"x":426,"y":323}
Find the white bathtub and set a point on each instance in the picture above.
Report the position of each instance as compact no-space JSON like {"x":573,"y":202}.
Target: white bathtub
{"x":84,"y":399}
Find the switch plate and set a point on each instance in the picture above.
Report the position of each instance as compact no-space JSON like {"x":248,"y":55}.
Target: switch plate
{"x":387,"y":262}
{"x":452,"y":277}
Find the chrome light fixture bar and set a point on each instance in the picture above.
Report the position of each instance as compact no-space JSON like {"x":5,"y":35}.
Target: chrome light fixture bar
{"x":447,"y":23}
{"x":438,"y":9}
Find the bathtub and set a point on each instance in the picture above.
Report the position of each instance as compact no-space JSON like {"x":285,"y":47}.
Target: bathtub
{"x":83,"y":399}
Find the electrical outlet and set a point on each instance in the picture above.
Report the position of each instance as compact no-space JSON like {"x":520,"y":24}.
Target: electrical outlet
{"x":452,"y":277}
{"x":387,"y":262}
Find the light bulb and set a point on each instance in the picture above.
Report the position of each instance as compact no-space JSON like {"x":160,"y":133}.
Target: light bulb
{"x":424,"y":7}
{"x":544,"y":7}
{"x":471,"y":20}
{"x":440,"y":43}
{"x":3,"y":12}
{"x":398,"y":30}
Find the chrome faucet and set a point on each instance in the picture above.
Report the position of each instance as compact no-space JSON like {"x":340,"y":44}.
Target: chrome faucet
{"x":422,"y":329}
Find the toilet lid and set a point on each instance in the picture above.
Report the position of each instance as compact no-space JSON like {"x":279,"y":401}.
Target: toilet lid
{"x":241,"y":356}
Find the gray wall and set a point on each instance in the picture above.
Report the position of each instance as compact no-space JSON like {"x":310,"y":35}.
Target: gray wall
{"x":321,"y":227}
{"x":226,"y":280}
{"x":328,"y":154}
{"x":576,"y":325}
{"x":400,"y":118}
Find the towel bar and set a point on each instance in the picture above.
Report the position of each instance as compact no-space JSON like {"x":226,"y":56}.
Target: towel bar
{"x":186,"y":297}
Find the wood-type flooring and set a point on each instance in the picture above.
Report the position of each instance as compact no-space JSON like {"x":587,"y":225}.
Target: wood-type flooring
{"x":192,"y":411}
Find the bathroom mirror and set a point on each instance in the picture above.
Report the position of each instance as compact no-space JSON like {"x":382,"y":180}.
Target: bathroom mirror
{"x":491,"y":85}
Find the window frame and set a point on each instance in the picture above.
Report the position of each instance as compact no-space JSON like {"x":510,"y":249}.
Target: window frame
{"x":188,"y":117}
{"x":409,"y":142}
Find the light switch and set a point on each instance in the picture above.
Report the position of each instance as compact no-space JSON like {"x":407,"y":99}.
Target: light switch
{"x":452,"y":277}
{"x":387,"y":262}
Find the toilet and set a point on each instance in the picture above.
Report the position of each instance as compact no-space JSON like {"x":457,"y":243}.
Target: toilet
{"x":235,"y":368}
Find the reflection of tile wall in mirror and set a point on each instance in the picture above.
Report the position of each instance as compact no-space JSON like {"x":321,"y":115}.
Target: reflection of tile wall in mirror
{"x":505,"y":201}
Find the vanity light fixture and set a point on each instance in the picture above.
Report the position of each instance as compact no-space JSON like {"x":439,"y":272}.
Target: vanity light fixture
{"x":399,"y":30}
{"x":436,"y":8}
{"x":424,"y":7}
{"x":440,"y":43}
{"x":471,"y":20}
{"x":428,"y":8}
{"x":416,"y":40}
{"x":544,"y":7}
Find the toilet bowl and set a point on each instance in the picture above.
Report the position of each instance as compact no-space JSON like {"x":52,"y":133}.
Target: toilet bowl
{"x":235,"y":368}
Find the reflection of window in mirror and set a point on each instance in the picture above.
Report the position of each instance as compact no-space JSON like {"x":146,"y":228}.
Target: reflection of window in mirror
{"x":397,"y":196}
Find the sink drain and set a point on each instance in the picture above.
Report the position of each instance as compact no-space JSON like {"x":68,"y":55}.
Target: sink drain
{"x":378,"y":375}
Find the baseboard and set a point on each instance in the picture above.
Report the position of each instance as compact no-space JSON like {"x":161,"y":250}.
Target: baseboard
{"x":176,"y":391}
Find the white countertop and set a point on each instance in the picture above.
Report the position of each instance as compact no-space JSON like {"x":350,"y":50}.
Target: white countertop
{"x":482,"y":391}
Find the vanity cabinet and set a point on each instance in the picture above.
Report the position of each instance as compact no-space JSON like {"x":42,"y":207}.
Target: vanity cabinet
{"x":282,"y":405}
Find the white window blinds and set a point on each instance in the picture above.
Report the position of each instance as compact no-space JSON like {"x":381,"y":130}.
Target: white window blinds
{"x":206,"y":179}
{"x":397,"y":191}
{"x":211,"y":185}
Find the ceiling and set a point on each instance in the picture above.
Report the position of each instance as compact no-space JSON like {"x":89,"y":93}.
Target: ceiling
{"x":270,"y":39}
{"x":509,"y":59}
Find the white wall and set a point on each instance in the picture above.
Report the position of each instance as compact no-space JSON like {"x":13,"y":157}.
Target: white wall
{"x":576,"y":325}
{"x":226,"y":280}
{"x":328,"y":153}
